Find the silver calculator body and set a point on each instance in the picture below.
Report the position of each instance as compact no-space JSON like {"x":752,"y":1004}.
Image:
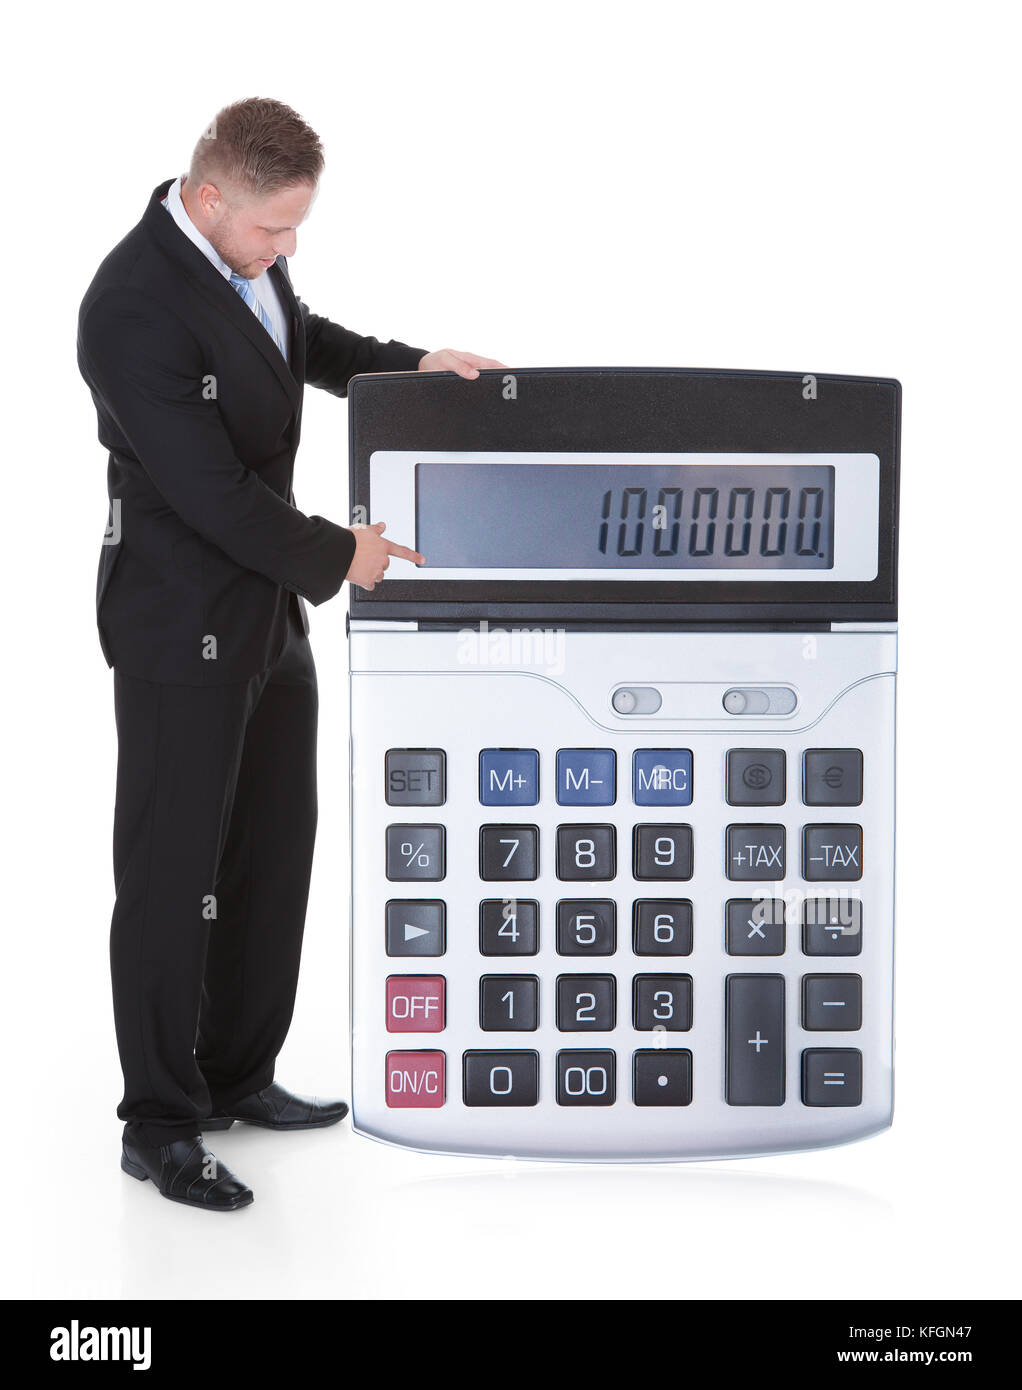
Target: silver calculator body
{"x":622,"y":806}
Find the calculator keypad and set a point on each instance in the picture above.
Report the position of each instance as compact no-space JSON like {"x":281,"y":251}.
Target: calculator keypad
{"x":754,"y":1004}
{"x":659,"y":962}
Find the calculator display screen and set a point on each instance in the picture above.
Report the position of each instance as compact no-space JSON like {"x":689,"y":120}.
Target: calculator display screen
{"x":671,"y":519}
{"x":721,"y":516}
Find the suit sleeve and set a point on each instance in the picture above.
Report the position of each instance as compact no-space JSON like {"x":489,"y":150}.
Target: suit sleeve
{"x":333,"y":355}
{"x":148,"y":373}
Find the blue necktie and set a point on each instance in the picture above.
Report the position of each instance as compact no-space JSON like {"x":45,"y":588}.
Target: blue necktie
{"x":248,"y":294}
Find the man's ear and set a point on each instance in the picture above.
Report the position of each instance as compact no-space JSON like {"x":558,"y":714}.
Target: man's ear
{"x":210,"y":199}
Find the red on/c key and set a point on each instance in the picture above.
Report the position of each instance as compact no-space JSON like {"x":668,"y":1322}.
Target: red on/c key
{"x":415,"y":1003}
{"x":415,"y":1080}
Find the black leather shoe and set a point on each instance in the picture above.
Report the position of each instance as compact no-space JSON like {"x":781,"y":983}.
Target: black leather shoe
{"x":186,"y":1171}
{"x":275,"y":1108}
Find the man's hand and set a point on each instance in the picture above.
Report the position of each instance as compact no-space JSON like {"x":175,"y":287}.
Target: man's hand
{"x":372,"y":555}
{"x":466,"y":364}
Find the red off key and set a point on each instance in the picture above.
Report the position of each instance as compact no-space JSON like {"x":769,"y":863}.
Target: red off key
{"x":415,"y":1003}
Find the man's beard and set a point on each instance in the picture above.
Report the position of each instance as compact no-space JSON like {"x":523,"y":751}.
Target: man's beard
{"x":224,"y":247}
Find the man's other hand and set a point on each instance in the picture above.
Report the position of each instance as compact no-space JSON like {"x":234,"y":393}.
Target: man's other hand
{"x":466,"y":364}
{"x":372,"y":555}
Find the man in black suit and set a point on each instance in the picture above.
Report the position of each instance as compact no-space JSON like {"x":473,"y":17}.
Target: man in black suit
{"x":196,"y":350}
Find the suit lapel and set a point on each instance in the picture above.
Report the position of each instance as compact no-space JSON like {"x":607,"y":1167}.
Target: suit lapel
{"x":282,"y":279}
{"x":222,"y":295}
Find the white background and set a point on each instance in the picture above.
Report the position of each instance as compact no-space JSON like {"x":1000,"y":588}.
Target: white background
{"x":824,"y":188}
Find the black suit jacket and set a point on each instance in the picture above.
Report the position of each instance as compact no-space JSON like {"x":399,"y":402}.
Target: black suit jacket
{"x":202,"y":416}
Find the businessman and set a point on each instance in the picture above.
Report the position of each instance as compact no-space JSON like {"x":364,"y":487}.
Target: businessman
{"x":196,"y":350}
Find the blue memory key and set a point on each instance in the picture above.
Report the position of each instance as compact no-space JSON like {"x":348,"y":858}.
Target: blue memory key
{"x":662,"y":777}
{"x":509,"y":777}
{"x":586,"y":777}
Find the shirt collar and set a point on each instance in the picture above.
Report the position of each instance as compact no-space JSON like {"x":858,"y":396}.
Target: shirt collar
{"x":174,"y":205}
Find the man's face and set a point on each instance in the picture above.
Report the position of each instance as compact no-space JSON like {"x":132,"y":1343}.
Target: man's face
{"x":250,"y":231}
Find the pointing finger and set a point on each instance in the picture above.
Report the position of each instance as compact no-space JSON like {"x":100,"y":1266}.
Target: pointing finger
{"x":403,"y":552}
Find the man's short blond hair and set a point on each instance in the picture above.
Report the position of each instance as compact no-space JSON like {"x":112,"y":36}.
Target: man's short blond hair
{"x":258,"y":146}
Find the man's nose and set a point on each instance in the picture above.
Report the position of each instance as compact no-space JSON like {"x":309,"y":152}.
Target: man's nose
{"x":286,"y":245}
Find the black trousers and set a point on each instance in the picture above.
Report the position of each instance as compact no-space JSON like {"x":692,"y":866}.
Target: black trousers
{"x":214,"y":827}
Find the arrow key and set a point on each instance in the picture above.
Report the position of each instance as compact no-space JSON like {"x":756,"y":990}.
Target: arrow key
{"x":416,"y":927}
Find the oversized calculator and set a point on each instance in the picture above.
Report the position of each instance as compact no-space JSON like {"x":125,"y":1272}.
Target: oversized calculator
{"x":622,"y":762}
